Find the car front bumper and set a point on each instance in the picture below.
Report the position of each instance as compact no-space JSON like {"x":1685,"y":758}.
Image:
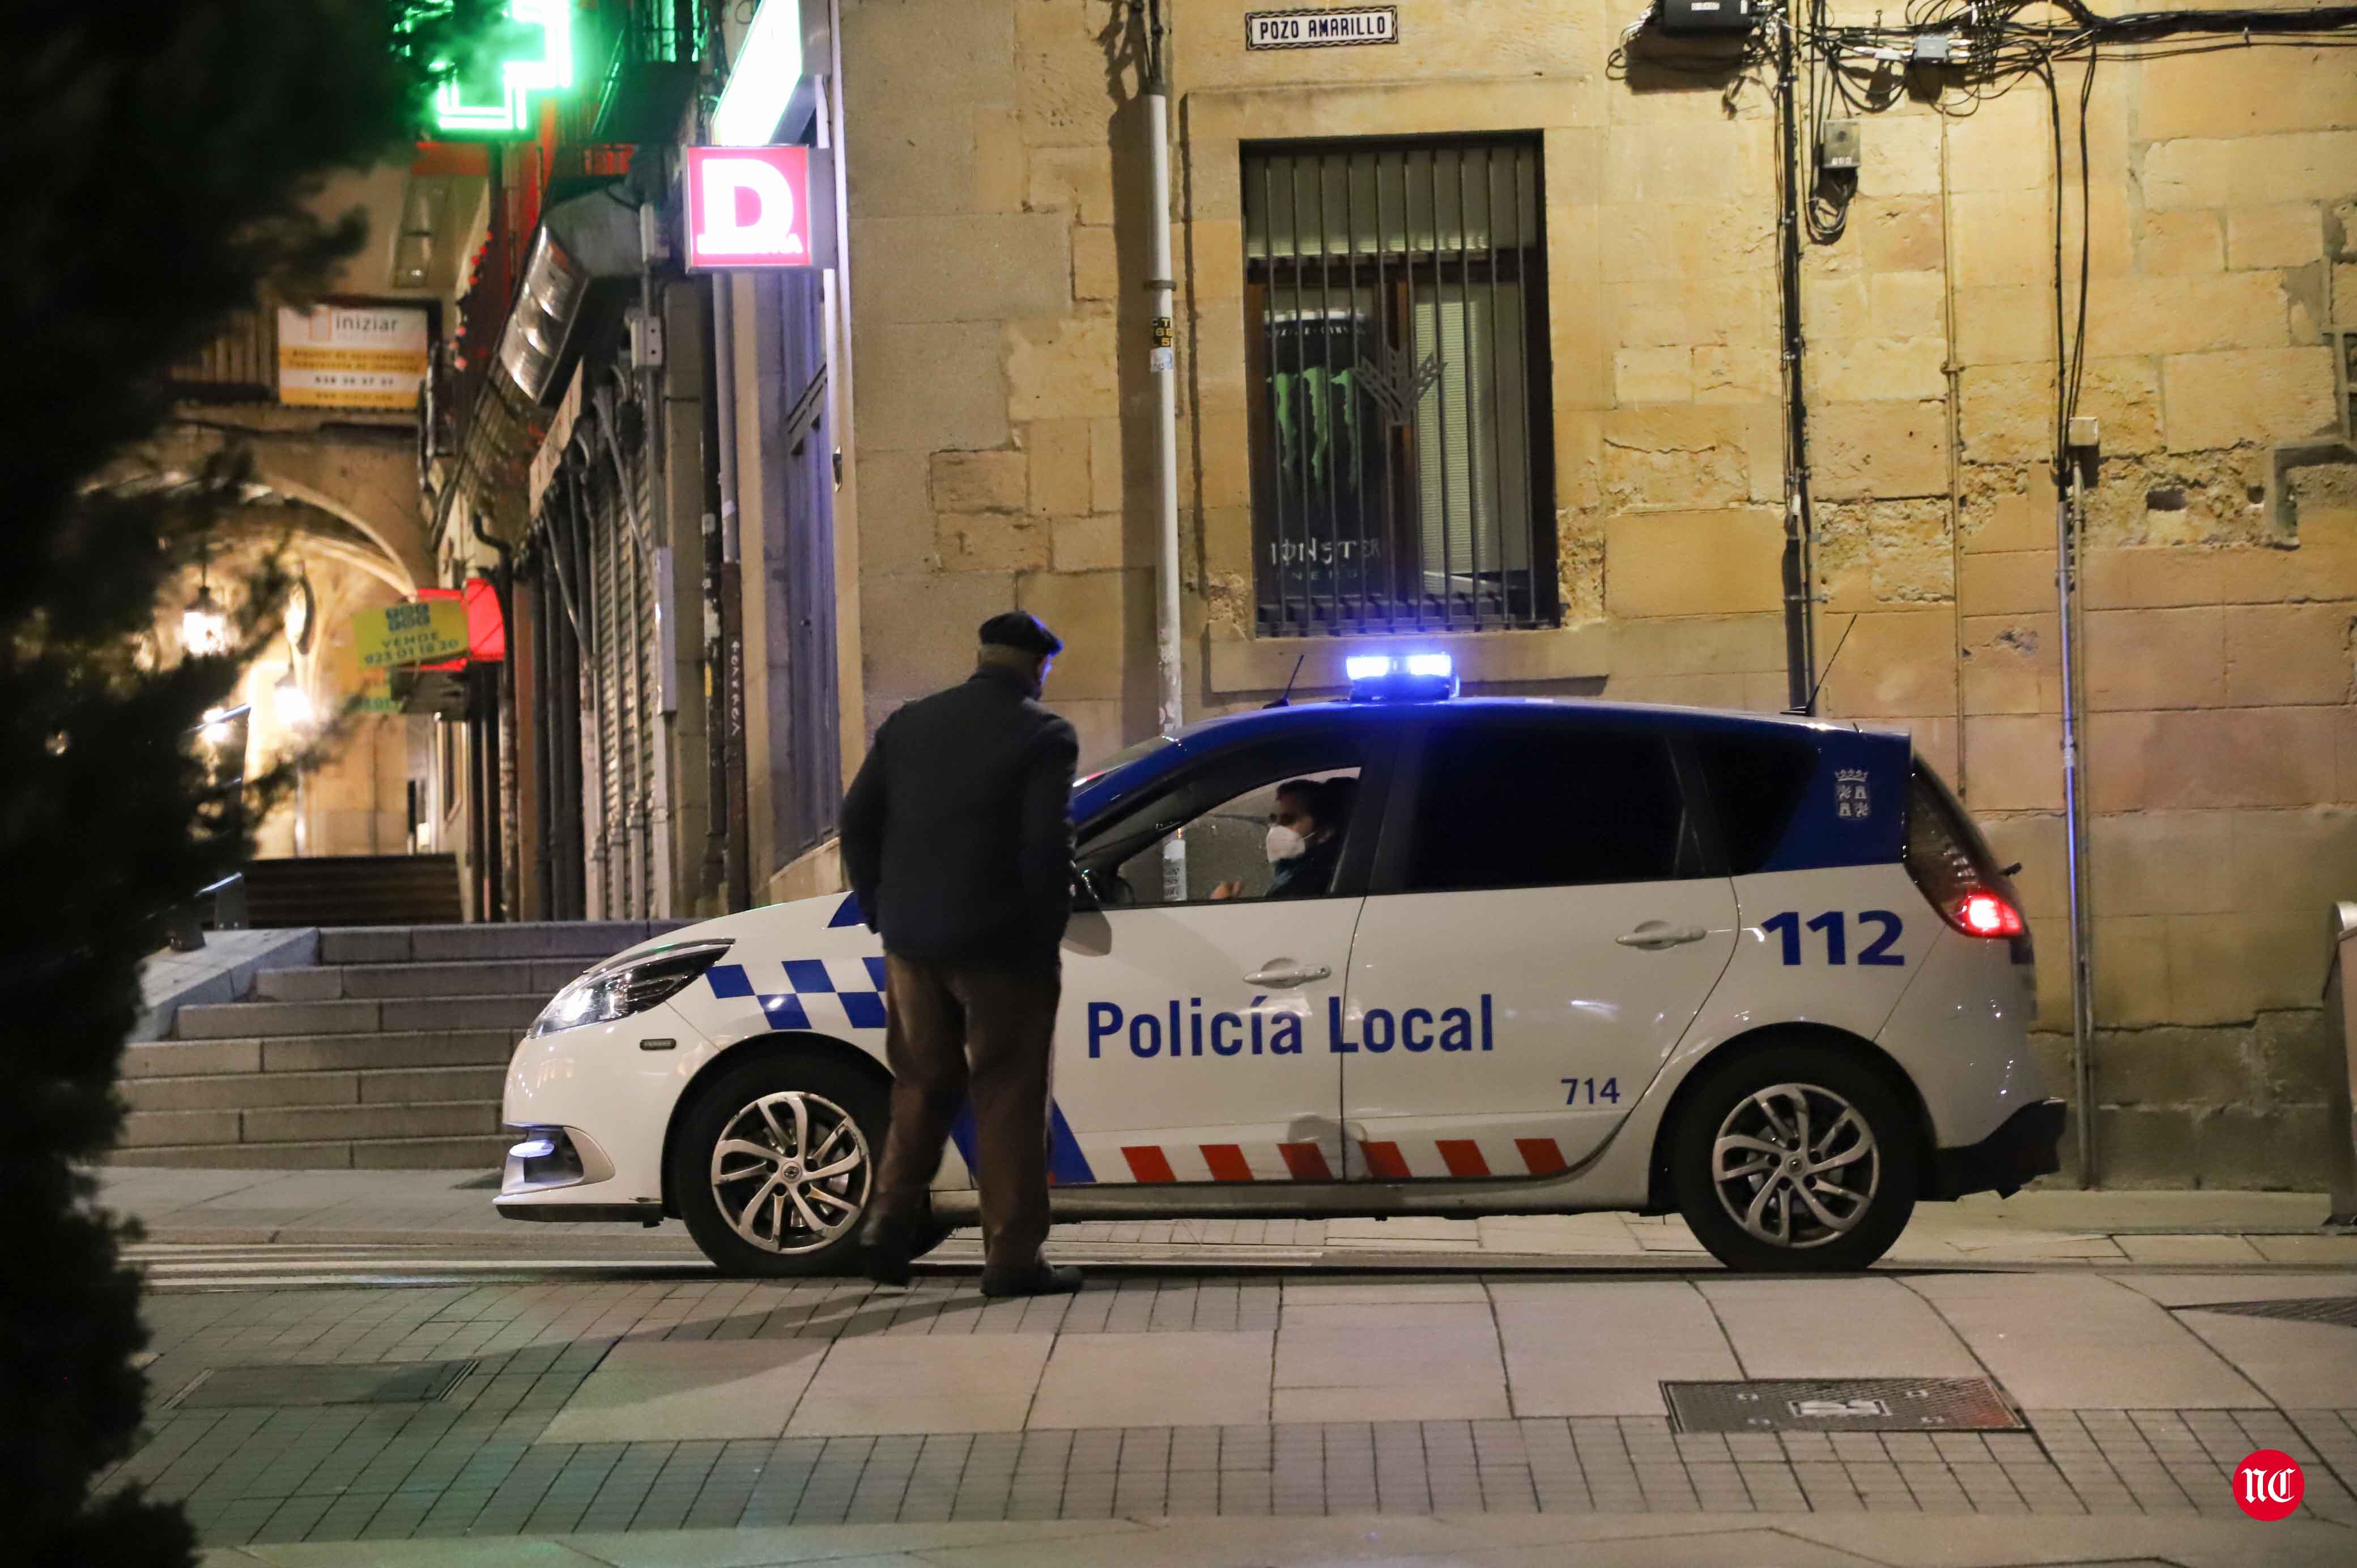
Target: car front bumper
{"x":2025,"y":1146}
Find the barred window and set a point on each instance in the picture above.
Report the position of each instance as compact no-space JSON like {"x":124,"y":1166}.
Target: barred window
{"x":1396,"y":345}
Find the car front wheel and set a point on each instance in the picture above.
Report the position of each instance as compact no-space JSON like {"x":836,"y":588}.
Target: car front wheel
{"x":1798,"y":1158}
{"x":775,"y":1165}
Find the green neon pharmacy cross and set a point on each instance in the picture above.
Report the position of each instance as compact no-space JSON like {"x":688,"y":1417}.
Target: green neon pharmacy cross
{"x":541,"y":61}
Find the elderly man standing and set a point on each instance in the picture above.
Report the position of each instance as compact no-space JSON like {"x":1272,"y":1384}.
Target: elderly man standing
{"x":957,"y":838}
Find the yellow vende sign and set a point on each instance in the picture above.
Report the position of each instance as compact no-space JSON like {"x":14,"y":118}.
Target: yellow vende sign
{"x":418,"y":633}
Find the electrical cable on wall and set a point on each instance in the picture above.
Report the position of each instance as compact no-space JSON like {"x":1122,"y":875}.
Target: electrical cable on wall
{"x":1961,"y":53}
{"x":1955,"y":55}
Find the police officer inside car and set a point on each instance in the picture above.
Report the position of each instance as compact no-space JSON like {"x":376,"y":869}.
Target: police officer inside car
{"x":957,"y":841}
{"x":1304,"y":838}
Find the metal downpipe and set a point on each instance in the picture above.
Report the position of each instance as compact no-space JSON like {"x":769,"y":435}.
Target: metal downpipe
{"x":1800,"y":630}
{"x":711,"y":879}
{"x":1161,"y":285}
{"x":730,"y":674}
{"x":2067,"y":517}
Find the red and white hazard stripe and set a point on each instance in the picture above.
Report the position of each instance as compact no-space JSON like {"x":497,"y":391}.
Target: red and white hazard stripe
{"x":1406,"y":1160}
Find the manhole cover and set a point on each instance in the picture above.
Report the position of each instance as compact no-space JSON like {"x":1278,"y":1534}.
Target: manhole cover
{"x":2337,"y":1309}
{"x":415,"y":1382}
{"x":1865,"y":1404}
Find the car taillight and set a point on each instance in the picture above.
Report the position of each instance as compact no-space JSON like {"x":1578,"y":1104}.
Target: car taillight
{"x":1953,"y":867}
{"x":1987,"y":915}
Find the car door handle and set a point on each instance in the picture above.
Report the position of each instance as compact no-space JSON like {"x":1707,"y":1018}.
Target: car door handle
{"x":1654,"y":936}
{"x":1288,"y":976}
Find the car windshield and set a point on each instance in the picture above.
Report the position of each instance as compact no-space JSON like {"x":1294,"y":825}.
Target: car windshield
{"x":1122,"y":759}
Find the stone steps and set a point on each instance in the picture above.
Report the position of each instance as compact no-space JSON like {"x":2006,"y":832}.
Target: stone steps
{"x":367,"y":1016}
{"x":415,"y":1048}
{"x":311,"y":1124}
{"x":352,"y":890}
{"x":389,"y":1052}
{"x":510,"y":977}
{"x":369,"y":1154}
{"x":258,"y":1091}
{"x":584,"y":939}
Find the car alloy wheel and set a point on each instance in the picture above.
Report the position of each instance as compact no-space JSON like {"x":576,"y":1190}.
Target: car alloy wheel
{"x":790,"y":1172}
{"x":1795,"y":1166}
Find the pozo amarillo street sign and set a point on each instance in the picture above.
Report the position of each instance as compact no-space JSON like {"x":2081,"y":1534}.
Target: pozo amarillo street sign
{"x":1321,"y":29}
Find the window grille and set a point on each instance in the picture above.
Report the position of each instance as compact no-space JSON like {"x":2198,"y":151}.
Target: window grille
{"x":1397,"y":343}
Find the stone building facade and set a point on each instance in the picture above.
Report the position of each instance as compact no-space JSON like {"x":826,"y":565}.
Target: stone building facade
{"x":999,"y":448}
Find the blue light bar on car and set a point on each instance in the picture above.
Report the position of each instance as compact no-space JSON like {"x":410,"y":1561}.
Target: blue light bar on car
{"x":1401,"y":678}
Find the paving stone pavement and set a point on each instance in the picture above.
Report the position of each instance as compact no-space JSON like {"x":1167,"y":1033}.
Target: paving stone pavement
{"x":2045,"y":1228}
{"x":479,"y":1461}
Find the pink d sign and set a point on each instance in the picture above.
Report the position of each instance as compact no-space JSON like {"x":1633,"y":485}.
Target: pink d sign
{"x":749,"y":207}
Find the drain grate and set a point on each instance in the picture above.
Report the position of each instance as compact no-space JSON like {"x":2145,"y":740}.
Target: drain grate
{"x":2336,"y":1309}
{"x":1858,"y":1404}
{"x":281,"y":1387}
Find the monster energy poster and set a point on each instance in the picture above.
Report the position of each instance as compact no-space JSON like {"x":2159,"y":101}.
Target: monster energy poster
{"x":1323,"y":536}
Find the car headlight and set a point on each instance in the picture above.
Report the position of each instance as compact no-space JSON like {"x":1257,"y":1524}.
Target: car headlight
{"x":633,"y":985}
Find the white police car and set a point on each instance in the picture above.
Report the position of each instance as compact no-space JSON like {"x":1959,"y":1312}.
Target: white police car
{"x":1761,"y":972}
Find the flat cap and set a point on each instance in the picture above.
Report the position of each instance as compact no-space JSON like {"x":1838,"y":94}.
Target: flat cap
{"x":1021,"y":631}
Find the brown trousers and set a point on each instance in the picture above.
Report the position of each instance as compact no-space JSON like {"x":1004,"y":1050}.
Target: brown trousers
{"x":957,"y":1031}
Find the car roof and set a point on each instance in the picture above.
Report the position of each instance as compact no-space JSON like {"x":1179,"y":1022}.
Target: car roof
{"x":1226,"y":727}
{"x":1099,"y":788}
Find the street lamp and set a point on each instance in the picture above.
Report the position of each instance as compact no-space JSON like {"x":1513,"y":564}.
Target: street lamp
{"x":204,"y":628}
{"x":291,"y":702}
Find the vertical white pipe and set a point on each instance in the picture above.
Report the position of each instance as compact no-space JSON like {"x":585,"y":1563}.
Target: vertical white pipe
{"x":1161,"y":286}
{"x":2074,"y":824}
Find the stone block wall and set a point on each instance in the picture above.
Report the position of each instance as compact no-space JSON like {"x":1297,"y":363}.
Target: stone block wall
{"x":1002,"y":456}
{"x":2217,"y":596}
{"x":1005,"y":449}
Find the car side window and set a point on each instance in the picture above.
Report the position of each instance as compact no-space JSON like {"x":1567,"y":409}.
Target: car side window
{"x":1224,"y":813}
{"x":1521,"y":805}
{"x":1755,"y":782}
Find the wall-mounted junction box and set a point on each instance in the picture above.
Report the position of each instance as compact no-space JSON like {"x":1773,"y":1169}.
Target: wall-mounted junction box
{"x":1708,"y":15}
{"x":1837,"y":145}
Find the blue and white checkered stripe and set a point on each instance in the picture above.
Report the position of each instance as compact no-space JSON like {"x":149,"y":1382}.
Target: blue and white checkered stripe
{"x":824,"y":993}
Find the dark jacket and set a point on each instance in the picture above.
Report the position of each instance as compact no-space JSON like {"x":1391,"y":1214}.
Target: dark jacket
{"x":957,"y":834}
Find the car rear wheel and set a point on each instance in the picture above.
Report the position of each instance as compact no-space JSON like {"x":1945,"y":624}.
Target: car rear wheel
{"x":1799,"y":1158}
{"x":775,"y":1165}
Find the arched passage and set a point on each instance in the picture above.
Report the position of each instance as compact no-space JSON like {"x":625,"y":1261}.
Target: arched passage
{"x":363,"y":478}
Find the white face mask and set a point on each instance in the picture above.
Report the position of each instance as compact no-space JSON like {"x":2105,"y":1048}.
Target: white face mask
{"x":1284,"y":843}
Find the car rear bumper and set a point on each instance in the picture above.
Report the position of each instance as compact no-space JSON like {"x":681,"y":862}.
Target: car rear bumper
{"x":2026,"y":1145}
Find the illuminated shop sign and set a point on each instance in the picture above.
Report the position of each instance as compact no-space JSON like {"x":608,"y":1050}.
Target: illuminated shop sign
{"x":762,"y":83}
{"x":535,"y":57}
{"x":750,"y":207}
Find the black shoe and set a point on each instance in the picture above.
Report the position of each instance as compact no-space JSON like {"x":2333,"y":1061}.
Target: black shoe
{"x":1041,"y":1279}
{"x":886,"y":1248}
